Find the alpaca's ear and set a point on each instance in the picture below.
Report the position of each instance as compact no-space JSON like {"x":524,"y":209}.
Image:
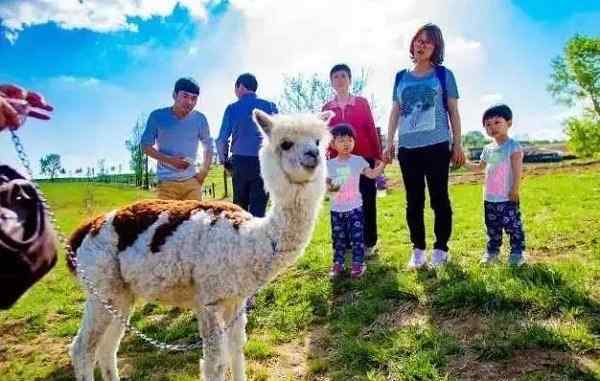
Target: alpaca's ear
{"x":263,"y":120}
{"x":326,"y":116}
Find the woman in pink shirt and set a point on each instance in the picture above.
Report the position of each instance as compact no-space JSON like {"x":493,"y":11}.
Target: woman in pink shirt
{"x":355,"y":111}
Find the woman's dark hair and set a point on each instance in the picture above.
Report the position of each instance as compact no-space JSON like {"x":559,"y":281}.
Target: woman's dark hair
{"x":434,"y":34}
{"x":342,"y":129}
{"x":340,"y":67}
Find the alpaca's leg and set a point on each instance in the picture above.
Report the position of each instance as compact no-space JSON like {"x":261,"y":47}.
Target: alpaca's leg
{"x":214,"y":359}
{"x":107,"y":351}
{"x":235,"y":321}
{"x":83,"y":349}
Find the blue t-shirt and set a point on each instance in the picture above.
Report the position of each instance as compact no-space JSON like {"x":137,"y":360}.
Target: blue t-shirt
{"x":499,"y":175}
{"x":177,"y":137}
{"x":238,"y":125}
{"x":346,"y":175}
{"x":423,"y":118}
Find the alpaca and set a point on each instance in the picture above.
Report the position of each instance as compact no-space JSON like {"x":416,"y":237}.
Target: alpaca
{"x":206,"y":256}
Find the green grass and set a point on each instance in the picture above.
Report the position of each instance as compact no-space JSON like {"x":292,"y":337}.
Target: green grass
{"x":390,"y":325}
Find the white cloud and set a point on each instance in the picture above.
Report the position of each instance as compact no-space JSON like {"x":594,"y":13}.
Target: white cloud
{"x":490,"y":61}
{"x":95,"y":15}
{"x":488,"y":99}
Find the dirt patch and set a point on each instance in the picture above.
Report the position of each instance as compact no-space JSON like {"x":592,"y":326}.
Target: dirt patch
{"x":292,"y":360}
{"x":468,"y":367}
{"x":403,"y":315}
{"x":464,"y":328}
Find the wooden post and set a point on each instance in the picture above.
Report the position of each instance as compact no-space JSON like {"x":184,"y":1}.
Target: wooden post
{"x":225,"y":182}
{"x":146,"y":178}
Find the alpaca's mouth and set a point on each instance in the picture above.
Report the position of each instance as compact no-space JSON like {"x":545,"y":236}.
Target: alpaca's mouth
{"x":310,"y":166}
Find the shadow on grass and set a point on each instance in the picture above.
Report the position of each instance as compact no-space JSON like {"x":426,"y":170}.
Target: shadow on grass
{"x":511,"y":305}
{"x":361,"y":346}
{"x":531,"y":288}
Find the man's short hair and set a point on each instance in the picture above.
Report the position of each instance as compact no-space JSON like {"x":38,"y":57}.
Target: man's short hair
{"x":342,"y":129}
{"x":500,"y":111}
{"x":340,"y":67}
{"x":248,"y":80}
{"x":188,"y":85}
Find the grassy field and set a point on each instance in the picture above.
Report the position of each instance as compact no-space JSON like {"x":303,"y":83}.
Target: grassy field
{"x":463,"y":322}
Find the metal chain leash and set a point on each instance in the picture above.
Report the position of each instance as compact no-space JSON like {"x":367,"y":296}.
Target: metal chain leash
{"x":92,"y":289}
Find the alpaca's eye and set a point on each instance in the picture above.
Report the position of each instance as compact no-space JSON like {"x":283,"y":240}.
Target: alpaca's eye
{"x":286,"y":145}
{"x":317,"y":142}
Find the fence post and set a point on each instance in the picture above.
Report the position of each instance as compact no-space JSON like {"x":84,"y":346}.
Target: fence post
{"x":146,"y":178}
{"x":225,"y":182}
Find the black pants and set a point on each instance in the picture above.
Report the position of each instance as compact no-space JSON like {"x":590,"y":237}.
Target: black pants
{"x":248,"y":187}
{"x":369,"y":197}
{"x":429,"y":164}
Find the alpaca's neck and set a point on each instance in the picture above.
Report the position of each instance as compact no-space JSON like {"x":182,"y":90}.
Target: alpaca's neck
{"x":290,"y":223}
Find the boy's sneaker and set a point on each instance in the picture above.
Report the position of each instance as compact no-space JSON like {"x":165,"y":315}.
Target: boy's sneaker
{"x":417,"y":260}
{"x":439,"y":258}
{"x":516,"y":259}
{"x":489,"y":258}
{"x":371,"y":251}
{"x":336,"y":270}
{"x":358,"y":270}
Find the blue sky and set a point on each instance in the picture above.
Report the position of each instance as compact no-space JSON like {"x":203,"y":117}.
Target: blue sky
{"x":104,"y":64}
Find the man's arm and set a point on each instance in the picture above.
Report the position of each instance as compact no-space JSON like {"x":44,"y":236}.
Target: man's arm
{"x":372,"y":130}
{"x":207,"y":144}
{"x":149,"y":139}
{"x":224,"y":135}
{"x":175,"y":162}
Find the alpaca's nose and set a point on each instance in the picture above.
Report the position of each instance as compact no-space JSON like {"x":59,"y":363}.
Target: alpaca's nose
{"x":310,"y":159}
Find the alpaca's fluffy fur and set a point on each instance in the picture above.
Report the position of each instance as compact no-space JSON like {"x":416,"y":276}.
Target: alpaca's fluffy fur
{"x":206,"y":264}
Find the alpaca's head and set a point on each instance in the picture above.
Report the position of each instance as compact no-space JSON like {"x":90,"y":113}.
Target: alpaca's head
{"x":293,"y":151}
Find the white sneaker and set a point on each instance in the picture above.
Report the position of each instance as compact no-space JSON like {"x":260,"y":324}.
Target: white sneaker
{"x":439,"y":258}
{"x":371,"y":251}
{"x":417,"y":260}
{"x":489,"y":258}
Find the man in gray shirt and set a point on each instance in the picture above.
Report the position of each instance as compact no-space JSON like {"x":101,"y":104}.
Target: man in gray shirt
{"x":171,"y":137}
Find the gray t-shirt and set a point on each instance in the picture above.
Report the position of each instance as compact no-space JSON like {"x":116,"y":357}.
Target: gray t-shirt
{"x":177,"y":137}
{"x":499,"y":175}
{"x":346,"y":175}
{"x":423,"y":118}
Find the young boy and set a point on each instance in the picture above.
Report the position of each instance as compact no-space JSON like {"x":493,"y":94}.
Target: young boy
{"x":503,"y":163}
{"x":347,"y":220}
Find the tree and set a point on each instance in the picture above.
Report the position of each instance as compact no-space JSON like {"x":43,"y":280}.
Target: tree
{"x":474,"y":139}
{"x":576,"y":75}
{"x":301,"y":94}
{"x":50,"y":165}
{"x":133,"y":144}
{"x":584,"y":135}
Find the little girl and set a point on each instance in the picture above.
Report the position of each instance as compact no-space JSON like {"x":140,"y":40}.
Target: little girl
{"x":347,"y":220}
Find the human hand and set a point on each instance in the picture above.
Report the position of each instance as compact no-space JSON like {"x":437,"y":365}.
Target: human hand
{"x":458,"y":155}
{"x":332,"y":186}
{"x":9,"y":117}
{"x":178,"y":163}
{"x":201,"y":175}
{"x":388,"y":154}
{"x":513,"y":195}
{"x":24,"y":103}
